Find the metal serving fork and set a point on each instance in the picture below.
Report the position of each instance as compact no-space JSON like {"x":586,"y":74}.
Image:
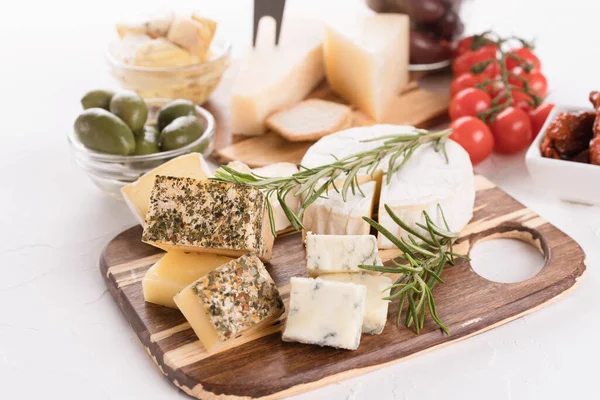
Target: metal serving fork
{"x":272,"y":8}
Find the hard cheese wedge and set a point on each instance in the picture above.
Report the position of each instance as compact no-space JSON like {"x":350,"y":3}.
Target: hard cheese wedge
{"x":425,"y":181}
{"x":208,"y":217}
{"x":174,"y":271}
{"x":274,"y":77}
{"x":332,"y":215}
{"x":325,"y":313}
{"x":237,"y":297}
{"x":137,"y":194}
{"x":326,"y":254}
{"x":272,"y":171}
{"x":376,"y":309}
{"x":367,"y":61}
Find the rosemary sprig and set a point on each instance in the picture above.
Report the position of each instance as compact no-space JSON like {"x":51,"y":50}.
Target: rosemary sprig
{"x":312,"y":183}
{"x":420,"y":266}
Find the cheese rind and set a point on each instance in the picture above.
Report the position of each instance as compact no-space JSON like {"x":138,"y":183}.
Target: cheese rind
{"x":275,"y":77}
{"x":283,"y":169}
{"x":376,"y":309}
{"x":331,"y":215}
{"x":377,"y":49}
{"x":174,"y":271}
{"x":330,"y":254}
{"x":325,"y":313}
{"x":425,"y":181}
{"x":137,"y":194}
{"x":208,"y":217}
{"x":233,"y":298}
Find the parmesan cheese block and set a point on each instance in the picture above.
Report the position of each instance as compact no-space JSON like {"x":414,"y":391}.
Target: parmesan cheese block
{"x":325,"y":313}
{"x":326,"y":254}
{"x":425,"y":181}
{"x":331,"y":215}
{"x":366,"y":61}
{"x":275,"y":77}
{"x":174,"y":271}
{"x":137,"y":194}
{"x":272,"y":171}
{"x":376,"y":309}
{"x":236,"y":298}
{"x":208,"y":217}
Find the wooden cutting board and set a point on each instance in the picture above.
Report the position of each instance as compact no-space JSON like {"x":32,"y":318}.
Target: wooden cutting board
{"x":265,"y":367}
{"x":414,"y":106}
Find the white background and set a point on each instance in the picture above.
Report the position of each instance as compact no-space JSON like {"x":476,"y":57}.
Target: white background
{"x":62,"y":335}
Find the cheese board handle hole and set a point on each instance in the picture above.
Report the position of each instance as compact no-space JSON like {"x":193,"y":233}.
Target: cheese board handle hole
{"x":506,"y":258}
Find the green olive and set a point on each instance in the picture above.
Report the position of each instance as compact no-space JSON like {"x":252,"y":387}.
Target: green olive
{"x":97,"y":98}
{"x":181,"y":132}
{"x":147,"y":142}
{"x":175,"y":109}
{"x":102,"y":131}
{"x":131,"y":108}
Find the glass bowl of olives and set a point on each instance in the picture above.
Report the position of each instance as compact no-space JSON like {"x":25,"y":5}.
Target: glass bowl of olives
{"x":119,"y":137}
{"x":194,"y":82}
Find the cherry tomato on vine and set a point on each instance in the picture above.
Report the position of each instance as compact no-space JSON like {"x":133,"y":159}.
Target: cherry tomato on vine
{"x":464,"y":81}
{"x":537,"y":81}
{"x":539,"y":116}
{"x":525,"y":54}
{"x":512,"y":130}
{"x":465,"y":45}
{"x":464,"y":62}
{"x":474,"y":136}
{"x":469,"y":102}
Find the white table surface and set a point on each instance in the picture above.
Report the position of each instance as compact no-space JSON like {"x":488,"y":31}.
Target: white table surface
{"x":63,"y":337}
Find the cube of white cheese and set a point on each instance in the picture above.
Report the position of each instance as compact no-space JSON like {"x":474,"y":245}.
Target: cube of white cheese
{"x":376,"y":309}
{"x":325,"y":313}
{"x":331,"y":215}
{"x":425,"y":181}
{"x":274,"y":77}
{"x":366,"y":61}
{"x":327,"y":254}
{"x":137,"y":194}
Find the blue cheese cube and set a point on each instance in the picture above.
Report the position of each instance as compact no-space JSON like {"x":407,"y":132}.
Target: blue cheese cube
{"x":325,"y":313}
{"x":376,"y":309}
{"x":329,"y":254}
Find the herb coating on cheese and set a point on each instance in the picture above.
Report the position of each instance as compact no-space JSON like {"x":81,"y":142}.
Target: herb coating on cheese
{"x":210,"y":214}
{"x":238,"y":295}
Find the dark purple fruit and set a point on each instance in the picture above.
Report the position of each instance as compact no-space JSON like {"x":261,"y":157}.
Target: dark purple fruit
{"x":449,"y":26}
{"x":425,"y":11}
{"x":426,"y":49}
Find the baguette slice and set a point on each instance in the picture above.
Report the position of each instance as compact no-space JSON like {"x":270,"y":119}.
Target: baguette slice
{"x":310,"y":120}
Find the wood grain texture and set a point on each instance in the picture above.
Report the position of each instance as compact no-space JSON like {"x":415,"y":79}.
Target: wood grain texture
{"x":262,"y":366}
{"x":414,"y":106}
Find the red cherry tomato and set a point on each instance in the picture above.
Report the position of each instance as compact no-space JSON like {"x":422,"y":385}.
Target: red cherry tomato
{"x":469,"y":102}
{"x":537,"y":81}
{"x":464,"y":81}
{"x":474,"y":136}
{"x":464,"y":62}
{"x":526,"y":55}
{"x":512,"y":130}
{"x":539,"y":116}
{"x":466,"y":44}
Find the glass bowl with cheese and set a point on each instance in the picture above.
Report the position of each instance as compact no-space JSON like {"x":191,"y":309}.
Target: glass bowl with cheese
{"x":174,"y":57}
{"x":111,"y":172}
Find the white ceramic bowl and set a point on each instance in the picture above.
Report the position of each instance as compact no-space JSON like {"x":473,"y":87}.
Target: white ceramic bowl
{"x":567,"y":180}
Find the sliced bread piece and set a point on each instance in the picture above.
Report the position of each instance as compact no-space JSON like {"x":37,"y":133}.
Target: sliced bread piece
{"x":310,"y":120}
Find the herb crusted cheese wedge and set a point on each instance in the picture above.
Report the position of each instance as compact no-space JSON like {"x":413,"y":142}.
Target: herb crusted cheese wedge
{"x":208,"y":217}
{"x":236,"y":297}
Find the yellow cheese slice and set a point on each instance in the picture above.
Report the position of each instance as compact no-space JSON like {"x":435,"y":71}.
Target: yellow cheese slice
{"x":194,"y":35}
{"x":174,"y":271}
{"x":137,"y":194}
{"x":275,"y":77}
{"x":162,"y":53}
{"x":366,"y":61}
